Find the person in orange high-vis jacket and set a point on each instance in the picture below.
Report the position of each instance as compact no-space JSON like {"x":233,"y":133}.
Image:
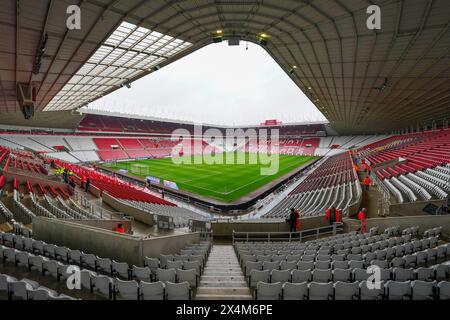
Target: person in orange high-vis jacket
{"x":328,"y":214}
{"x":365,"y":167}
{"x":362,"y":216}
{"x":297,"y":223}
{"x":120,"y":228}
{"x":355,"y":166}
{"x":367,"y":182}
{"x":338,"y":215}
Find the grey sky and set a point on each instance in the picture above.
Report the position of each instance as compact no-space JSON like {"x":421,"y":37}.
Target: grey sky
{"x":217,"y":84}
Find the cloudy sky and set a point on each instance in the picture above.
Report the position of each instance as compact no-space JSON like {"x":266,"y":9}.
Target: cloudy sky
{"x":217,"y":84}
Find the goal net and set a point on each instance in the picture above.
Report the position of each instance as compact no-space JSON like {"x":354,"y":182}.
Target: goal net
{"x":140,"y":169}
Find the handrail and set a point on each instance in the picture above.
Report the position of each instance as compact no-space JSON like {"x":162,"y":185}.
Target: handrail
{"x":287,"y":236}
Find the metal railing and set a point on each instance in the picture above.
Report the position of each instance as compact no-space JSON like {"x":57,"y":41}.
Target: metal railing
{"x":299,"y":236}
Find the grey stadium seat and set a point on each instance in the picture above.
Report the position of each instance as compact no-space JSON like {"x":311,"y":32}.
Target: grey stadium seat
{"x":75,"y":256}
{"x":352,"y":264}
{"x":299,"y":276}
{"x":441,"y":271}
{"x":443,"y":290}
{"x":425,"y":274}
{"x":322,"y":264}
{"x":121,"y":269}
{"x":36,"y":262}
{"x":166,"y":275}
{"x":346,"y":291}
{"x":142,"y":274}
{"x":295,"y":291}
{"x":422,"y":290}
{"x":268,"y":291}
{"x":62,"y":253}
{"x":104,"y":265}
{"x":321,"y":275}
{"x":273,"y":265}
{"x":22,"y":259}
{"x":163,"y":258}
{"x":87,"y":279}
{"x":126,"y":290}
{"x":189,"y":276}
{"x":372,"y":293}
{"x":151,"y":290}
{"x":288,"y":265}
{"x":320,"y":291}
{"x":89,"y":260}
{"x":344,"y":275}
{"x":280,"y":276}
{"x":339,"y":264}
{"x":178,"y":291}
{"x":305,"y":265}
{"x":20,"y":289}
{"x":41,"y":293}
{"x":102,"y":284}
{"x":258,"y":275}
{"x":380,"y":263}
{"x":251,"y":265}
{"x":398,"y":290}
{"x":400,"y":274}
{"x":177,"y":264}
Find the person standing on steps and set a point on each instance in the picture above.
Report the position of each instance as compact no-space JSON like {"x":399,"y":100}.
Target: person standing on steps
{"x":362,"y":216}
{"x":87,"y":184}
{"x":331,"y":215}
{"x":293,"y":220}
{"x":367,"y":182}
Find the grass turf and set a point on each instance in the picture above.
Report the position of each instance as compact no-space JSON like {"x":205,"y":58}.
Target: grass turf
{"x":225,"y":182}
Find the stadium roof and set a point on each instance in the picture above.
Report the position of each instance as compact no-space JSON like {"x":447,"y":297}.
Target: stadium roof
{"x":139,"y":117}
{"x":362,"y":80}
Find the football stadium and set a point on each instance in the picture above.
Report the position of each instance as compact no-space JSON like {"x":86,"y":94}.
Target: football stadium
{"x":182,"y":188}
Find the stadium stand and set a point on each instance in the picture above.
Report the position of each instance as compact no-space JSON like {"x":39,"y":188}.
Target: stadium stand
{"x":97,"y":197}
{"x":334,"y":268}
{"x":332,"y":183}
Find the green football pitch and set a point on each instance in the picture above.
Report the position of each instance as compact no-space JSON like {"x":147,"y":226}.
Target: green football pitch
{"x":225,"y":182}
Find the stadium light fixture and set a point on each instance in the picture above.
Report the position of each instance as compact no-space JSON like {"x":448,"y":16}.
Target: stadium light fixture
{"x":217,"y":36}
{"x":263,"y":38}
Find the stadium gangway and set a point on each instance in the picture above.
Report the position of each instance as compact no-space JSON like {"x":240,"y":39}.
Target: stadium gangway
{"x":299,"y":236}
{"x":95,"y":211}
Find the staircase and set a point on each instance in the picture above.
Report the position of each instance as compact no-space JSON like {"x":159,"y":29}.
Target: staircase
{"x":222,"y":278}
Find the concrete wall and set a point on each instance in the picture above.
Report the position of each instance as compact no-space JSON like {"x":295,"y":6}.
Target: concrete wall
{"x":168,"y":244}
{"x":413,"y":208}
{"x":109,"y":225}
{"x":139,"y":215}
{"x":105,"y":243}
{"x":225,"y":229}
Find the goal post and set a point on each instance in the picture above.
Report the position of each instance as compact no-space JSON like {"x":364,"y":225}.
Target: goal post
{"x":140,"y":169}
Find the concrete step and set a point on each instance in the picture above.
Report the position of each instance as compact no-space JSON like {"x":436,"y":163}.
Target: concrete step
{"x":219,"y":274}
{"x":223,"y":290}
{"x":223,"y":284}
{"x":223,"y":277}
